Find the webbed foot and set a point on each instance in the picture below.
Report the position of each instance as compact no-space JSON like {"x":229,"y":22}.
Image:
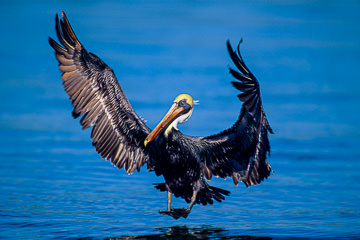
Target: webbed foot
{"x":176,"y":213}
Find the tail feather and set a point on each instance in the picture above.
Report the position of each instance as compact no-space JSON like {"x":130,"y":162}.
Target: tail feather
{"x":160,"y":186}
{"x":215,"y":193}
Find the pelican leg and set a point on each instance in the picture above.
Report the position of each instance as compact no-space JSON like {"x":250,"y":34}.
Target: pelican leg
{"x":176,"y":213}
{"x":193,"y":199}
{"x":182,"y":212}
{"x":168,"y":201}
{"x":169,"y":208}
{"x":169,"y":211}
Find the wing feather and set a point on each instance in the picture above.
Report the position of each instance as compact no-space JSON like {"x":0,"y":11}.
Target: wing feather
{"x":118,"y":133}
{"x":241,"y":151}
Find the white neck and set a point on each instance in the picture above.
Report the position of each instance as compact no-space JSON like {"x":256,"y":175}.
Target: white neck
{"x":181,"y":119}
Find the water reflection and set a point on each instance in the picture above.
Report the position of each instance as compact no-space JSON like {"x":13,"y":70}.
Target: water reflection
{"x":183,"y":232}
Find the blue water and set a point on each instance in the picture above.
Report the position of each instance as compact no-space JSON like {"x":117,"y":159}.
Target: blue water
{"x":305,"y":54}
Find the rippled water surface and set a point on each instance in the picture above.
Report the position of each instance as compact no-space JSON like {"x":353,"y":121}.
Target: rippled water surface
{"x":306,"y":57}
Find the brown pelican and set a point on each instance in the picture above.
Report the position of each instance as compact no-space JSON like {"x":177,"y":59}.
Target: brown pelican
{"x":121,"y":136}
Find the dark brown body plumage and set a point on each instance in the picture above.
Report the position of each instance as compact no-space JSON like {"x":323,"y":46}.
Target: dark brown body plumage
{"x":177,"y":158}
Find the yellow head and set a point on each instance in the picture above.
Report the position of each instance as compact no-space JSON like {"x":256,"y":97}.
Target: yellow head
{"x":184,"y":97}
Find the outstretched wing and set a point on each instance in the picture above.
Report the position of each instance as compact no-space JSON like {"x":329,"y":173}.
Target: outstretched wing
{"x":118,"y":133}
{"x":240,"y":152}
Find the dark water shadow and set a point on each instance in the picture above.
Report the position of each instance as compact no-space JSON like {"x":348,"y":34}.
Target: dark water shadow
{"x":183,"y":232}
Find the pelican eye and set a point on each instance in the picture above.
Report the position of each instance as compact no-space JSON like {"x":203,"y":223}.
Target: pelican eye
{"x":182,"y":102}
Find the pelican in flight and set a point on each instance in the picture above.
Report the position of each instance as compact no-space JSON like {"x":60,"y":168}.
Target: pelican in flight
{"x":187,"y":163}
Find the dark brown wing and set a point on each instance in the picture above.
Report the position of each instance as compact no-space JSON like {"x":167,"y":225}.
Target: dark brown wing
{"x":240,"y":152}
{"x":118,"y":133}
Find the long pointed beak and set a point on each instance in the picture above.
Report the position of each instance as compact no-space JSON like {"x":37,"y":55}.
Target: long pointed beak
{"x":174,"y":111}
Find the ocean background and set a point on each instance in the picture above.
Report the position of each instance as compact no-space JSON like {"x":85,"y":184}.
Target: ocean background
{"x":305,"y":55}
